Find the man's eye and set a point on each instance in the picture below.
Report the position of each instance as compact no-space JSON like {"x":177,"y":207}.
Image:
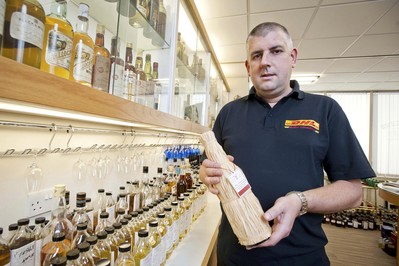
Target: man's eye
{"x":277,"y":51}
{"x":256,"y":56}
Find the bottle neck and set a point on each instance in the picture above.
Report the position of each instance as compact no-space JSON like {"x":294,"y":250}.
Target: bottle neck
{"x":100,"y":43}
{"x":82,"y":25}
{"x":129,"y":56}
{"x":59,"y":8}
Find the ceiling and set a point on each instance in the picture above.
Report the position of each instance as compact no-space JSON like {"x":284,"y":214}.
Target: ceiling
{"x":352,"y":44}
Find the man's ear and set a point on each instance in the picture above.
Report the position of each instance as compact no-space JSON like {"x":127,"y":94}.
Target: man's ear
{"x":294,"y":56}
{"x":247,"y":67}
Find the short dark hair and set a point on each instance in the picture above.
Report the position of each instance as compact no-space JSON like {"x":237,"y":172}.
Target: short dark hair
{"x":266,"y":27}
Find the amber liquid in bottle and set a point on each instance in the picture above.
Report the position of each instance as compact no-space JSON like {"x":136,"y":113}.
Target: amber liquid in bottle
{"x":23,"y":31}
{"x":101,"y":62}
{"x":57,"y":45}
{"x":4,"y":249}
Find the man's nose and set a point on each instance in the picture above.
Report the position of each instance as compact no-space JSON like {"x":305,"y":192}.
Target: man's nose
{"x":265,"y":61}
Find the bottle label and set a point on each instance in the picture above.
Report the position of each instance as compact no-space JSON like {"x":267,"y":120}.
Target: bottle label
{"x":101,"y":73}
{"x":116,"y":84}
{"x":2,"y":10}
{"x":27,"y":28}
{"x":90,"y":214}
{"x":83,"y":64}
{"x":59,"y":49}
{"x":169,"y":238}
{"x":112,"y":258}
{"x":175,"y":232}
{"x":111,"y":212}
{"x":156,"y":255}
{"x":23,"y":256}
{"x":239,"y":182}
{"x":38,"y":248}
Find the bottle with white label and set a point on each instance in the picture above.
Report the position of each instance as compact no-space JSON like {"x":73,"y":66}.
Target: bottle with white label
{"x":2,"y":11}
{"x":142,"y":252}
{"x":40,"y":233}
{"x":116,"y":84}
{"x":4,"y":250}
{"x":82,"y":49}
{"x":22,"y":245}
{"x":57,"y":44}
{"x":23,"y":31}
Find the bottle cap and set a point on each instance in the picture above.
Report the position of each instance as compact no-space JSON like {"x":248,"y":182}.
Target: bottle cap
{"x":161,"y":215}
{"x":146,"y":209}
{"x":108,"y":193}
{"x":92,"y":240}
{"x":117,"y":225}
{"x":167,"y":209}
{"x":100,"y":29}
{"x":81,"y":226}
{"x":81,"y":196}
{"x":102,"y":235}
{"x":88,"y":200}
{"x":58,"y":261}
{"x":120,"y":211}
{"x":122,"y":195}
{"x":80,"y":203}
{"x":84,"y":247}
{"x":174,"y":203}
{"x":125,"y":247}
{"x":24,"y":221}
{"x":128,"y":217}
{"x":84,"y":10}
{"x":124,"y":221}
{"x":59,"y":190}
{"x":145,"y":169}
{"x":153,"y":223}
{"x":12,"y":227}
{"x":58,"y":237}
{"x":110,"y":230}
{"x":143,"y":233}
{"x":104,"y":215}
{"x":140,"y":211}
{"x":73,"y":254}
{"x":40,"y":220}
{"x":122,"y":188}
{"x":134,"y":214}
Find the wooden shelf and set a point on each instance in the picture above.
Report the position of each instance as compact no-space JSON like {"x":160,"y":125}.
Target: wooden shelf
{"x":30,"y":85}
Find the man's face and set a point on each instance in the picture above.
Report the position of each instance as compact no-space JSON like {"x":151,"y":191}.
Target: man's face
{"x":269,"y":63}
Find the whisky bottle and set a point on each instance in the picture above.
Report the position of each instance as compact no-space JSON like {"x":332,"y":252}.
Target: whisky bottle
{"x":94,"y":250}
{"x":82,"y":49}
{"x":103,"y":222}
{"x":154,"y":238}
{"x":103,"y":246}
{"x":58,"y":247}
{"x":141,"y":79}
{"x":23,"y":31}
{"x":139,"y":19}
{"x":130,"y":73}
{"x":110,"y":206}
{"x":142,"y":252}
{"x":147,"y":67}
{"x":135,"y":197}
{"x":122,"y":206}
{"x":39,"y":232}
{"x":81,"y":235}
{"x":126,"y":231}
{"x":4,"y":250}
{"x":85,"y":257}
{"x":152,"y":17}
{"x":12,"y":229}
{"x":170,"y":231}
{"x":160,"y":26}
{"x":81,"y":216}
{"x":2,"y":11}
{"x":125,"y":257}
{"x":146,"y":191}
{"x":163,"y":230}
{"x":57,"y":44}
{"x":118,"y":234}
{"x":22,"y":245}
{"x":117,"y":68}
{"x":112,"y":241}
{"x":182,"y":218}
{"x":101,"y":62}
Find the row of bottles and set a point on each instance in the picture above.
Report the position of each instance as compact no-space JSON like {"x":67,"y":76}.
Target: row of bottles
{"x":51,"y":44}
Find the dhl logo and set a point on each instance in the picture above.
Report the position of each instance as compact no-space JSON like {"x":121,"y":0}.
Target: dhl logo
{"x":303,"y":123}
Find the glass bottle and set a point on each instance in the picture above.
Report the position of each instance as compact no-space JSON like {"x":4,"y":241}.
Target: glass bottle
{"x":81,"y":216}
{"x":85,"y":257}
{"x":117,"y":69}
{"x":160,"y":26}
{"x":181,"y":184}
{"x":94,"y":250}
{"x":142,"y":252}
{"x":118,"y":234}
{"x":23,"y":31}
{"x":170,"y":231}
{"x":135,"y":197}
{"x":154,"y":238}
{"x":103,"y":246}
{"x":103,"y":223}
{"x":138,"y":20}
{"x":130,"y":72}
{"x":73,"y":257}
{"x":125,"y":257}
{"x":141,"y":79}
{"x":147,"y":67}
{"x":110,"y":207}
{"x":81,"y":235}
{"x":69,"y":212}
{"x":126,"y":231}
{"x":2,"y":11}
{"x":82,"y":49}
{"x":182,"y":218}
{"x":163,"y":230}
{"x":22,"y":245}
{"x":122,"y":204}
{"x":58,"y":261}
{"x":113,"y":242}
{"x":58,"y":247}
{"x":57,"y":44}
{"x":90,"y":211}
{"x":189,"y":210}
{"x":152,"y":17}
{"x":4,"y":250}
{"x":40,"y":233}
{"x":12,"y":229}
{"x":147,"y":193}
{"x":101,"y":62}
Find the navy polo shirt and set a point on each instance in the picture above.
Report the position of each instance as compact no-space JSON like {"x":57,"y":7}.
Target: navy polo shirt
{"x":282,"y":149}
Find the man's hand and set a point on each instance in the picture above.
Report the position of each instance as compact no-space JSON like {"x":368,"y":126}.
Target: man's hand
{"x":284,"y":213}
{"x":210,"y":174}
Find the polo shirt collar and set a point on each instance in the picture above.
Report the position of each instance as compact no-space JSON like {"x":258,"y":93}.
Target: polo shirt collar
{"x":295,"y":93}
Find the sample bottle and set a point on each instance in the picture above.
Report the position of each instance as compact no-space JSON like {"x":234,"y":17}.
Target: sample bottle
{"x":22,"y":245}
{"x":163,"y":230}
{"x":58,"y":247}
{"x":136,"y":197}
{"x":94,"y":250}
{"x":85,"y":257}
{"x":142,"y":253}
{"x":73,"y":257}
{"x":141,"y":79}
{"x":23,"y":31}
{"x":122,"y":205}
{"x":112,"y":242}
{"x":125,"y":257}
{"x":146,"y":190}
{"x":4,"y":250}
{"x":40,"y":233}
{"x":103,"y":223}
{"x":101,"y":62}
{"x":103,"y":246}
{"x":57,"y":43}
{"x":154,"y":238}
{"x":83,"y":49}
{"x":171,"y":226}
{"x":110,"y":206}
{"x":81,"y":216}
{"x":126,"y":231}
{"x":117,"y":69}
{"x":2,"y":11}
{"x":147,"y":67}
{"x":81,"y":235}
{"x":118,"y":234}
{"x":130,"y":72}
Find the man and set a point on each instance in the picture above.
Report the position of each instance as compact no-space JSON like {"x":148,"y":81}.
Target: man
{"x":283,"y":139}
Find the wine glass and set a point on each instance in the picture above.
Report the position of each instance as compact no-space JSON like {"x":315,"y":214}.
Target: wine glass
{"x":33,"y":176}
{"x":79,"y":170}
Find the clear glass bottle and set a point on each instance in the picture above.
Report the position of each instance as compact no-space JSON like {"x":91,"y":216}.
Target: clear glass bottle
{"x":22,"y":245}
{"x":12,"y":229}
{"x":94,"y":250}
{"x":142,"y":252}
{"x":118,"y":234}
{"x":163,"y":230}
{"x":58,"y":261}
{"x":141,"y":79}
{"x":83,"y":49}
{"x":125,"y":257}
{"x":154,"y":238}
{"x":57,"y":44}
{"x":135,"y":197}
{"x":148,"y":67}
{"x":160,"y":26}
{"x":4,"y":250}
{"x":103,"y":246}
{"x":117,"y":70}
{"x":2,"y":11}
{"x":147,"y":193}
{"x":69,"y":212}
{"x":103,"y":223}
{"x":171,"y":230}
{"x":126,"y":231}
{"x":23,"y":31}
{"x":113,"y":242}
{"x":40,"y":233}
{"x":122,"y":204}
{"x":81,"y":216}
{"x":85,"y":257}
{"x":81,"y":235}
{"x":90,"y":212}
{"x":58,"y":247}
{"x":130,"y":72}
{"x":110,"y":207}
{"x":73,"y":257}
{"x":101,"y":62}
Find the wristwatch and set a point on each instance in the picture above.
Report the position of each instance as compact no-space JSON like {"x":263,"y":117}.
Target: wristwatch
{"x":304,"y":201}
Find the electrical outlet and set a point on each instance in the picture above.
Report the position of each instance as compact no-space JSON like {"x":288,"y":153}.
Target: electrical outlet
{"x":40,"y":202}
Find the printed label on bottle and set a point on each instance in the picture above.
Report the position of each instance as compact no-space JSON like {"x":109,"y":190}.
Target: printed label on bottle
{"x":23,"y":256}
{"x":111,"y":212}
{"x":168,"y":238}
{"x":101,"y":73}
{"x":112,"y":258}
{"x":116,"y":86}
{"x":59,"y":49}
{"x":175,"y":232}
{"x":83,"y":64}
{"x":239,"y":182}
{"x":2,"y":10}
{"x":156,"y":255}
{"x":27,"y":28}
{"x":38,"y":248}
{"x":147,"y":260}
{"x":91,"y":216}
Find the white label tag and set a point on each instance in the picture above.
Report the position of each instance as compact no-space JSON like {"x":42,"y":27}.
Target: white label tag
{"x":239,"y":182}
{"x":27,"y":28}
{"x":23,"y":256}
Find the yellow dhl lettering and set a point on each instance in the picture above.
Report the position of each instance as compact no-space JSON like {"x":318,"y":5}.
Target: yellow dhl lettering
{"x":303,"y":123}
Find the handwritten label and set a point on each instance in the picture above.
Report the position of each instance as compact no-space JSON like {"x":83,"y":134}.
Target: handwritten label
{"x":23,"y":256}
